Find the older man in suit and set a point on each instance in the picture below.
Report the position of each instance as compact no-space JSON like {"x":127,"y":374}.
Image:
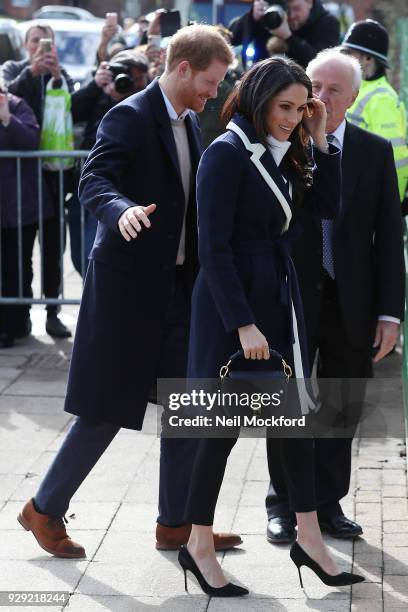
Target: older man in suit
{"x":351,"y":274}
{"x":134,"y":318}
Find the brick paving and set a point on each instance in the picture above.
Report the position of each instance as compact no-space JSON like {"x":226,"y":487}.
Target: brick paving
{"x":113,"y":514}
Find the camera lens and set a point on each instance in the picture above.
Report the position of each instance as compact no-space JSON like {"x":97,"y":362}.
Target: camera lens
{"x":273,"y":17}
{"x":123,"y":83}
{"x":122,"y":79}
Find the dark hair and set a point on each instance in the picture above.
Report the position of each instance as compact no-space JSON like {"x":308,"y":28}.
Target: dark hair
{"x":252,"y":96}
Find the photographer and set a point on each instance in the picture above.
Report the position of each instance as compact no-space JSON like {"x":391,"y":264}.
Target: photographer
{"x":301,"y":32}
{"x":125,"y":75}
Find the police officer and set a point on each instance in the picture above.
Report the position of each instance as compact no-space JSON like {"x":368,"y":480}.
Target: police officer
{"x":377,"y":107}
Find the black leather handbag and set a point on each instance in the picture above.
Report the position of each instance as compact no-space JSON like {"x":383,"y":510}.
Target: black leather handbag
{"x":252,"y":388}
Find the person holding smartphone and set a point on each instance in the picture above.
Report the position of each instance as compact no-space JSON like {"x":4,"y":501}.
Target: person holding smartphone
{"x":109,"y":31}
{"x":28,"y":79}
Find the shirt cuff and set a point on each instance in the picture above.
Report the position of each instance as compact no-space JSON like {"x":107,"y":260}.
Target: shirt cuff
{"x":390,"y":319}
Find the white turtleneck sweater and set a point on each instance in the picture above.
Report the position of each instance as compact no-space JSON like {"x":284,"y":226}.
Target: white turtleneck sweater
{"x":278,"y":148}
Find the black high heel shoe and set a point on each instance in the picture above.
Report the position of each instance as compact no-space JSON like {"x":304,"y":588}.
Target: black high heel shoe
{"x":300,"y":557}
{"x":187,"y":563}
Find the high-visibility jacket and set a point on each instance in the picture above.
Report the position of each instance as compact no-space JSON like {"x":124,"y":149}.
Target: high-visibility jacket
{"x":378,"y":109}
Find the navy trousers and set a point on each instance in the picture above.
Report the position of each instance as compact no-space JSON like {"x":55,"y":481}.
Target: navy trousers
{"x":87,"y":440}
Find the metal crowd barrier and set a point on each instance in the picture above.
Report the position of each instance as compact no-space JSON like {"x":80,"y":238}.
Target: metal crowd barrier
{"x":40,"y":155}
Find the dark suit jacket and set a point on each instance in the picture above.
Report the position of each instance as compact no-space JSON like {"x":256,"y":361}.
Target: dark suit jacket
{"x":129,"y":285}
{"x":368,"y":245}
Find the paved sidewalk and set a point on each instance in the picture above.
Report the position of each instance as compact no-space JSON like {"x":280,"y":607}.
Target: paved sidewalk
{"x":113,"y":514}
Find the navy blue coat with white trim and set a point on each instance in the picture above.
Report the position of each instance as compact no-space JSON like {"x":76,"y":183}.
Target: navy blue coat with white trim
{"x":242,"y":250}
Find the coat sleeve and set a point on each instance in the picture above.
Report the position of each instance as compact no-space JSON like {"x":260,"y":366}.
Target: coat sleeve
{"x":118,"y":140}
{"x":323,"y":198}
{"x":84,"y":100}
{"x":9,"y":71}
{"x":23,"y":132}
{"x":237,"y":27}
{"x":388,"y":244}
{"x":218,"y":184}
{"x":19,"y":82}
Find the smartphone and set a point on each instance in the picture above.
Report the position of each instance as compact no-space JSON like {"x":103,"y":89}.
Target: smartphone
{"x":170,"y":23}
{"x":111,"y":18}
{"x":45,"y":45}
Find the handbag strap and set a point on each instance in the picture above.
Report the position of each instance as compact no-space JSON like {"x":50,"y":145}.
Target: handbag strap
{"x":272,"y":353}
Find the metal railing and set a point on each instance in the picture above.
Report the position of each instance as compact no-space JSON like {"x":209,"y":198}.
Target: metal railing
{"x":39,"y":156}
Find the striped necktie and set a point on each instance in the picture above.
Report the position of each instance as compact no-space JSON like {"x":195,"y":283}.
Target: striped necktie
{"x":327,"y":231}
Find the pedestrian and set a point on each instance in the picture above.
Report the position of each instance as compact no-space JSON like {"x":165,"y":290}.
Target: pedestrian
{"x":43,"y":83}
{"x":245,"y":296}
{"x":134,"y":318}
{"x":351,"y":276}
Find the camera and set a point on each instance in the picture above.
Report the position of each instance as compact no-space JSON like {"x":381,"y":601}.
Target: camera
{"x":121,"y":77}
{"x":273,"y":16}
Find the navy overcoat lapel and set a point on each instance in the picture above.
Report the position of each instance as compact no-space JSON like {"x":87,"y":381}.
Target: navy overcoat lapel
{"x":166,"y":133}
{"x":351,"y":168}
{"x":194,"y":141}
{"x":163,"y":121}
{"x":264,"y":162}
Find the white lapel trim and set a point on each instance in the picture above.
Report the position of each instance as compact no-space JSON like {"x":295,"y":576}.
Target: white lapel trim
{"x":257,"y":150}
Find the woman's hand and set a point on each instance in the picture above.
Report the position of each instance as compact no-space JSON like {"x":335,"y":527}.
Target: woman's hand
{"x":314,"y":122}
{"x":253,"y":342}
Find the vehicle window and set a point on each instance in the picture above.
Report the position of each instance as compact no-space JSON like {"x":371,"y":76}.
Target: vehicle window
{"x":58,"y":15}
{"x":77,"y":48}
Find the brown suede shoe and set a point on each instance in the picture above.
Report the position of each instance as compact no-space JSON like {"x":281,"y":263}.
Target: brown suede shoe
{"x":171,"y":538}
{"x":50,"y":533}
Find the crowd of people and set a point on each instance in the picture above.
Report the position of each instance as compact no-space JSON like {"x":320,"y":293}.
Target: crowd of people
{"x":285,"y":234}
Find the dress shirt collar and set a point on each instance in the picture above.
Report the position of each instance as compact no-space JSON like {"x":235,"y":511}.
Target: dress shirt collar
{"x":278,"y":148}
{"x":339,"y":133}
{"x":170,"y":108}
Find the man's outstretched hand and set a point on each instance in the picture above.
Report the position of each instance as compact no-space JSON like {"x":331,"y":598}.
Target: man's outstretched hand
{"x":133,"y":219}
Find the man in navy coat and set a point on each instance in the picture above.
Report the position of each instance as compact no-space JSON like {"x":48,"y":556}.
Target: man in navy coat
{"x":351,"y":274}
{"x":134,"y":317}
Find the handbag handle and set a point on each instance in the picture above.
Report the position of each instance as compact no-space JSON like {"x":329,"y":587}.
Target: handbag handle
{"x":272,"y":353}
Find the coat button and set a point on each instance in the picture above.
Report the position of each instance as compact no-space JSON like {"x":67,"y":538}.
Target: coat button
{"x":166,"y":267}
{"x":174,"y":203}
{"x":170,"y":236}
{"x":319,"y":286}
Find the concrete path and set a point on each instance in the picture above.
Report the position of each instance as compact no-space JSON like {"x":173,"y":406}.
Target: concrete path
{"x":113,"y":514}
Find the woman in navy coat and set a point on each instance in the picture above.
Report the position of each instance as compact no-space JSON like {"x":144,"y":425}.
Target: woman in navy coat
{"x":246,"y":294}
